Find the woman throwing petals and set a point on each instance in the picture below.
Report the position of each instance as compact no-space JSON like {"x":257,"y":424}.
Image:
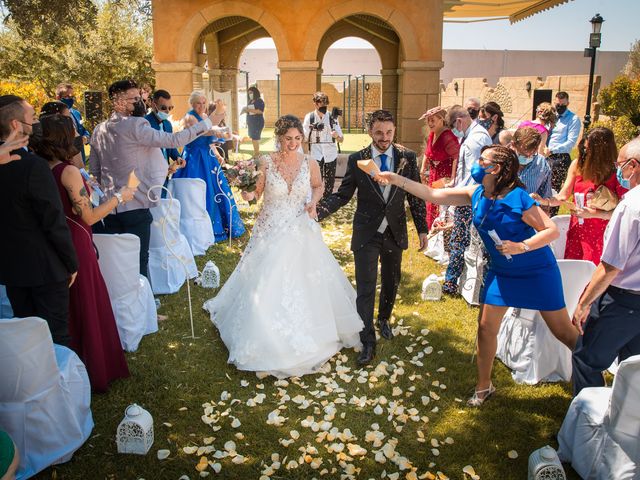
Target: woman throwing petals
{"x":523,"y":272}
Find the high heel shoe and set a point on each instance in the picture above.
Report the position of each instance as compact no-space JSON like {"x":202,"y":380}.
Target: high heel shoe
{"x":476,"y":400}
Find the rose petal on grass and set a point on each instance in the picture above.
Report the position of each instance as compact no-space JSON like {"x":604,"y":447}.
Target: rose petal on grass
{"x":512,"y":454}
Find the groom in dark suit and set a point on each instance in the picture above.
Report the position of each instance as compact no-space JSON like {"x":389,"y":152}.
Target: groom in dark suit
{"x":379,"y":225}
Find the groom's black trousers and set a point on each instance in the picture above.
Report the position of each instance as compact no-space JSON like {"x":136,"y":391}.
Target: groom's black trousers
{"x":382,"y":246}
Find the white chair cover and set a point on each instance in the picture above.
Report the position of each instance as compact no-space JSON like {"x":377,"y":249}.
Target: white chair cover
{"x":559,"y":245}
{"x":5,"y":305}
{"x":525,"y":343}
{"x":435,"y":247}
{"x":195,"y":223}
{"x":45,"y":399}
{"x":131,"y":297}
{"x":169,"y":251}
{"x":599,"y":434}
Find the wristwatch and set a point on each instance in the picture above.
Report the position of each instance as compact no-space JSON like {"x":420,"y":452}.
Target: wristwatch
{"x":525,"y":247}
{"x":118,"y":195}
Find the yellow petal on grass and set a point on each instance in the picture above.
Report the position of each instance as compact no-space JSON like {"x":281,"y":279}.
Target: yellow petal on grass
{"x":448,"y":441}
{"x":208,"y":440}
{"x":202,"y":464}
{"x":512,"y":454}
{"x":435,"y":452}
{"x":471,"y":472}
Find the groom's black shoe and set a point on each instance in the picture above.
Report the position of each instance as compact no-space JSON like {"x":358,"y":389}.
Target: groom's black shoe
{"x":385,"y":329}
{"x":367,"y":354}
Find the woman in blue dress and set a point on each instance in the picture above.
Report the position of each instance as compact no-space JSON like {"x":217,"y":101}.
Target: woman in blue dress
{"x":523,"y":272}
{"x":201,"y":162}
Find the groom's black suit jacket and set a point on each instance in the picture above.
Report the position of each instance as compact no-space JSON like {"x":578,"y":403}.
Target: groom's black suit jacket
{"x":371,"y":207}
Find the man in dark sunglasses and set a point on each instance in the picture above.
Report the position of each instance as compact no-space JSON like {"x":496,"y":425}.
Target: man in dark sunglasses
{"x":161,"y":107}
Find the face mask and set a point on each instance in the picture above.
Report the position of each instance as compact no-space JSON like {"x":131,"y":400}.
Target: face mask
{"x":561,"y":109}
{"x":139,"y":109}
{"x":162,"y":116}
{"x":323,"y":110}
{"x":67,"y":101}
{"x":478,"y":173}
{"x":36,"y":131}
{"x":473,"y":113}
{"x":522,"y":160}
{"x":486,"y":123}
{"x":624,"y":182}
{"x":457,"y":132}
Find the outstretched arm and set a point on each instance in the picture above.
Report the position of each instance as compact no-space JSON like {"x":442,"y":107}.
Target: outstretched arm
{"x":440,"y":196}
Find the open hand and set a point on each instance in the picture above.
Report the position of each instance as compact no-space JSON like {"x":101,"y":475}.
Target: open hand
{"x":127,"y":194}
{"x":15,"y":141}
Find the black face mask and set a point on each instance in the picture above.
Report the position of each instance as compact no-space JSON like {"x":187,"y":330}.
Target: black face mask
{"x":36,"y":132}
{"x":473,"y":113}
{"x":561,"y":109}
{"x":139,"y":109}
{"x":323,"y":110}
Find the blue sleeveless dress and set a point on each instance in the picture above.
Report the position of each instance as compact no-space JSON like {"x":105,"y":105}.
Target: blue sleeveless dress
{"x":221,"y":206}
{"x":529,"y":280}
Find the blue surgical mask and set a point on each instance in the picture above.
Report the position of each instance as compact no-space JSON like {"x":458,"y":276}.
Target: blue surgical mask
{"x":68,"y":102}
{"x":478,"y":172}
{"x":485,"y":122}
{"x":624,"y":182}
{"x":457,"y":132}
{"x":522,"y":160}
{"x":162,"y":116}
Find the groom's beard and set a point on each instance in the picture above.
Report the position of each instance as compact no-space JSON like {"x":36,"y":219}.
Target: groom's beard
{"x":381,"y":147}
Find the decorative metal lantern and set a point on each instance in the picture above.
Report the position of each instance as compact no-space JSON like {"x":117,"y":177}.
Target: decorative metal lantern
{"x":135,"y":432}
{"x":544,"y":464}
{"x":210,"y":277}
{"x":431,"y":288}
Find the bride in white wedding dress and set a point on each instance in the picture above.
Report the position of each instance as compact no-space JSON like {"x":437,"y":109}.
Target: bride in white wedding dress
{"x":287,"y":307}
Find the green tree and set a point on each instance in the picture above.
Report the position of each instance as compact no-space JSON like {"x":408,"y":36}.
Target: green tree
{"x":632,"y":68}
{"x":622,"y":98}
{"x":115,"y":43}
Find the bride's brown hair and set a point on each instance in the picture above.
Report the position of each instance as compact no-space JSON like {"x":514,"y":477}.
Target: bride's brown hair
{"x":286,"y":122}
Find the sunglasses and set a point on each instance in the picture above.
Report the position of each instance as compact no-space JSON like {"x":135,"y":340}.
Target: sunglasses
{"x":165,"y":108}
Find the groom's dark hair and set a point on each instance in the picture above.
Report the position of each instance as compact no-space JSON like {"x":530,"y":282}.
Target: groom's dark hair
{"x":380,"y":116}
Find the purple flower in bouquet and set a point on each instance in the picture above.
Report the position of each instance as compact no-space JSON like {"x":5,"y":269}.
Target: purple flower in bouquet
{"x":243,"y":175}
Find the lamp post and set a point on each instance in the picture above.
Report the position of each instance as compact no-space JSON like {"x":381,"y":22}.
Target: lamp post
{"x":594,"y":43}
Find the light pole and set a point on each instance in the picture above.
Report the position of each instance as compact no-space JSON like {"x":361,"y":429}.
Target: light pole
{"x":594,"y":43}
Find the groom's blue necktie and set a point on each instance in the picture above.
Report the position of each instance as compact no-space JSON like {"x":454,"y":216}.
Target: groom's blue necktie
{"x":384,"y":165}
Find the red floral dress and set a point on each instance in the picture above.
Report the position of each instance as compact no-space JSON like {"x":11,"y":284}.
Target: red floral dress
{"x":440,"y":154}
{"x":585,"y":241}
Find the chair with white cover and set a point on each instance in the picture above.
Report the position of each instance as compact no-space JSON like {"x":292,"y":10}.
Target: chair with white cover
{"x":170,"y":258}
{"x":195,"y":223}
{"x":472,"y":277}
{"x":599,"y":434}
{"x":5,"y":305}
{"x":131,"y":297}
{"x":45,"y":399}
{"x":525,"y":343}
{"x":559,"y":245}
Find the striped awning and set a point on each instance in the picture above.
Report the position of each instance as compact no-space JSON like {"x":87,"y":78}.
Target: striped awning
{"x":482,"y":10}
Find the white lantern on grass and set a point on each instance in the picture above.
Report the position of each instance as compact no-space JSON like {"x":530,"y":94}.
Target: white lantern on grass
{"x":544,"y":464}
{"x":210,"y":277}
{"x":431,"y":288}
{"x":135,"y":432}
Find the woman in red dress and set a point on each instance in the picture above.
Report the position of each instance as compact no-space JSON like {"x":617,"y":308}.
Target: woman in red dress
{"x":595,"y":167}
{"x":92,"y":326}
{"x":440,"y":156}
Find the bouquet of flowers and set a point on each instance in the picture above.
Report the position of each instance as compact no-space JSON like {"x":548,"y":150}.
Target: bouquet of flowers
{"x":243,"y":175}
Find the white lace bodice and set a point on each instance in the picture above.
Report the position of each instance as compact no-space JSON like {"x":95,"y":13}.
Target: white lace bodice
{"x":281,"y":205}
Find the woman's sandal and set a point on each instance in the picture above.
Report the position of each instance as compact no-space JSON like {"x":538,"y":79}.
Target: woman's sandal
{"x":476,"y":400}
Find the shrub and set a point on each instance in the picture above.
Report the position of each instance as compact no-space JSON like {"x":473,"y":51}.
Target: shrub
{"x":31,"y":92}
{"x":622,"y":127}
{"x":622,"y":98}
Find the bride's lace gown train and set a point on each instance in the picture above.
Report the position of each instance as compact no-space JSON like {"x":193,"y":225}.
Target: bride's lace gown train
{"x":287,"y":307}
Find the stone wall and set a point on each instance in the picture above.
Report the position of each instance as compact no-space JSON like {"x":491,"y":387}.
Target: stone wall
{"x":512,"y":95}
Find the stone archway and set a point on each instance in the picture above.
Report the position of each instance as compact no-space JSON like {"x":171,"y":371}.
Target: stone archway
{"x":300,"y":29}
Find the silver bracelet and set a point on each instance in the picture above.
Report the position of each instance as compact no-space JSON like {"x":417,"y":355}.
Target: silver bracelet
{"x":404,"y":183}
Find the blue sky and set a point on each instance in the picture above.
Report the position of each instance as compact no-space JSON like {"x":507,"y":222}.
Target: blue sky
{"x":565,"y":27}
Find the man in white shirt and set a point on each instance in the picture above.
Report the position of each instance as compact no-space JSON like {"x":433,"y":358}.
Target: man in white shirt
{"x":472,"y":138}
{"x":322,"y":133}
{"x":610,"y":305}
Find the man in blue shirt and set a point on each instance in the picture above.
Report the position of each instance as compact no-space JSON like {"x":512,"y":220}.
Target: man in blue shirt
{"x":562,"y":139}
{"x":161,"y":107}
{"x":65,"y":94}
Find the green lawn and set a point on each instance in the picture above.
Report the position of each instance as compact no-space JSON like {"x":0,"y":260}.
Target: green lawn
{"x":184,"y":382}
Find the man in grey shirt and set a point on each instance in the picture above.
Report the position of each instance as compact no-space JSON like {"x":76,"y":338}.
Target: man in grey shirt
{"x":125,"y":143}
